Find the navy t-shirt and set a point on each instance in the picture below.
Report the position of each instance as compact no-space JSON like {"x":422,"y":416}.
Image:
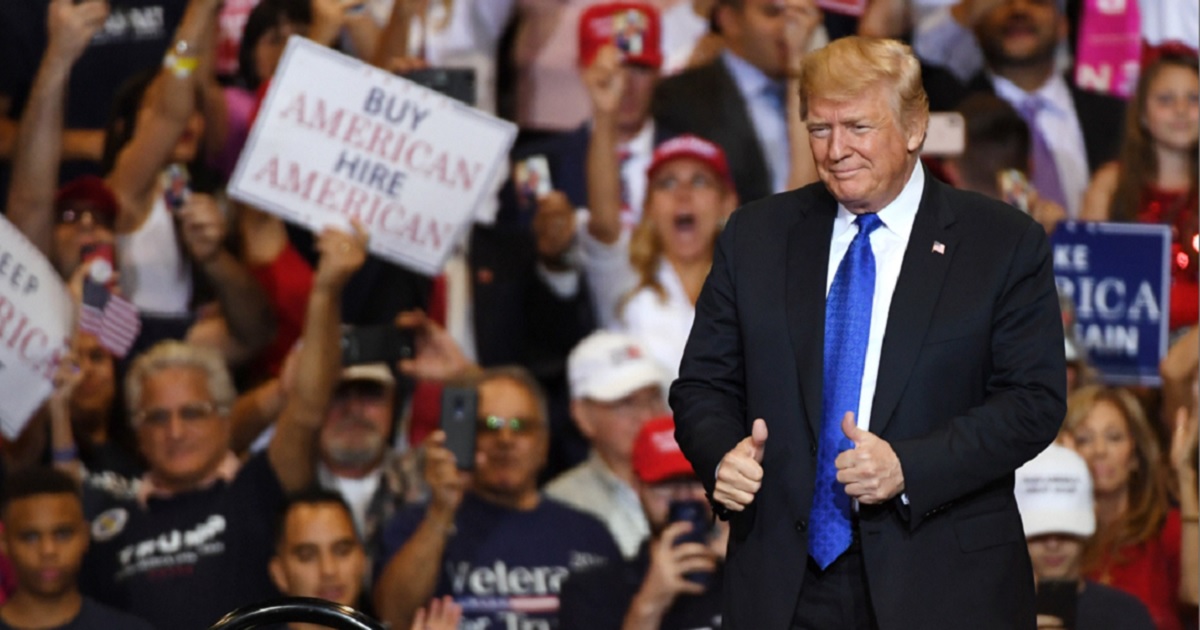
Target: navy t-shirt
{"x":185,"y":561}
{"x":135,"y":37}
{"x":599,"y":597}
{"x":506,"y":567}
{"x":95,"y":616}
{"x":1101,"y":606}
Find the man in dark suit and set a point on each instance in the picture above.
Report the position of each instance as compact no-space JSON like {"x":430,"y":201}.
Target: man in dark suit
{"x":899,"y":406}
{"x":739,"y":99}
{"x":1079,"y":129}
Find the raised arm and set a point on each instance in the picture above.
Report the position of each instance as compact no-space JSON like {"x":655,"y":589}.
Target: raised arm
{"x":803,"y":18}
{"x":39,"y":138}
{"x":249,"y":322}
{"x":605,"y":82}
{"x":292,"y":449}
{"x":410,"y":576}
{"x":166,"y":107}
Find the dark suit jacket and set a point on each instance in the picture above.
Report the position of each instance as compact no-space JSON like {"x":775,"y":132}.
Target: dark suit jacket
{"x":1100,"y":117}
{"x":706,"y":102}
{"x":971,"y":385}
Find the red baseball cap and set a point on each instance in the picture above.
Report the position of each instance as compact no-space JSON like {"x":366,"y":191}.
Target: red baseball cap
{"x":633,"y":27}
{"x":695,"y":147}
{"x":656,"y":454}
{"x":92,"y":193}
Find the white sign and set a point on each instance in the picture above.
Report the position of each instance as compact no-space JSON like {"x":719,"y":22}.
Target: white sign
{"x":35,"y":324}
{"x":338,"y":139}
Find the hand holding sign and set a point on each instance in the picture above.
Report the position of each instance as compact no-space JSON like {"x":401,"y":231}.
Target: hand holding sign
{"x":337,"y":139}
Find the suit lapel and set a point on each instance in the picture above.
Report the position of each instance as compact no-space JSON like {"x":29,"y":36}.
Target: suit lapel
{"x":732,"y":128}
{"x":807,"y":268}
{"x":920,"y":283}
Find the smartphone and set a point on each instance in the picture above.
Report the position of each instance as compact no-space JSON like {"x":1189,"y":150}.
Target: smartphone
{"x":1015,"y":189}
{"x":458,"y":421}
{"x":177,"y":188}
{"x":531,"y":177}
{"x":693,"y":512}
{"x":457,"y":83}
{"x":102,"y":256}
{"x":1058,"y":598}
{"x":376,"y":344}
{"x":946,"y":135}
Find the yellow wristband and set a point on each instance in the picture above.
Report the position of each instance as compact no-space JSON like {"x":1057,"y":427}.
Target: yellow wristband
{"x":181,"y":67}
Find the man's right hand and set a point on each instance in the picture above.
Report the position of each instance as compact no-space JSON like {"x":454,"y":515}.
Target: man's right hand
{"x":605,"y":81}
{"x":446,"y":482}
{"x":740,"y":473}
{"x":670,"y":563}
{"x":71,"y":27}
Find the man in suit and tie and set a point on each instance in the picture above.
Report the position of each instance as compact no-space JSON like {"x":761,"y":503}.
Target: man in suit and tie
{"x":900,"y":342}
{"x":1072,"y":131}
{"x":739,"y":101}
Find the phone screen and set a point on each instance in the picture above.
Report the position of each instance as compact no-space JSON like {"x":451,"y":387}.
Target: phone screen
{"x":1058,"y":598}
{"x":692,"y":512}
{"x":459,"y":416}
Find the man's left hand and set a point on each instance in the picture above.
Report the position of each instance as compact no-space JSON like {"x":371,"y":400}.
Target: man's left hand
{"x":870,"y":471}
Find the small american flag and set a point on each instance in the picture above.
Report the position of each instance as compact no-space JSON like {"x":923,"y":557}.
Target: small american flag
{"x":939,"y":247}
{"x":110,"y":317}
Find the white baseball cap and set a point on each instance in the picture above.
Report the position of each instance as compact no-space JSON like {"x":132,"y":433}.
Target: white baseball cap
{"x":608,"y":366}
{"x":1054,"y":494}
{"x":374,"y":372}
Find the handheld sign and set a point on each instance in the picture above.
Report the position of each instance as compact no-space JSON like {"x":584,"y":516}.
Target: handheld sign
{"x":338,"y":139}
{"x":1118,"y":277}
{"x":35,"y":323}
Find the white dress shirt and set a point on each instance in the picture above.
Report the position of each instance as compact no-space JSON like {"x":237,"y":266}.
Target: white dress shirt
{"x":888,"y":242}
{"x":766,"y":115}
{"x":1059,"y":124}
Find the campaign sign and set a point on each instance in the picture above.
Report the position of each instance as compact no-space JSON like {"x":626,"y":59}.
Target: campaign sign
{"x":1118,"y":277}
{"x":337,"y":139}
{"x":1110,"y":47}
{"x":35,"y":324}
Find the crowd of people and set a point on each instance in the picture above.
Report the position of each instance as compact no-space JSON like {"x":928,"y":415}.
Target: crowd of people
{"x":238,"y":450}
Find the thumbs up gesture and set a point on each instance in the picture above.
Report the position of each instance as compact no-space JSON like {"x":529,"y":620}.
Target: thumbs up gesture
{"x":739,"y":476}
{"x":870,"y":471}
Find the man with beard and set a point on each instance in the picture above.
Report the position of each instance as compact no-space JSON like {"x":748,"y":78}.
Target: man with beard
{"x":45,"y":537}
{"x":1071,"y":131}
{"x":354,"y":458}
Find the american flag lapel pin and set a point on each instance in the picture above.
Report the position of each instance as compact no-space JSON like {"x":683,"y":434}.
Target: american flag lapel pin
{"x":939,"y":247}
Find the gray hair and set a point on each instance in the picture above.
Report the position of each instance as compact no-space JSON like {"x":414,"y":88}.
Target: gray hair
{"x":522,"y":377}
{"x":176,"y":354}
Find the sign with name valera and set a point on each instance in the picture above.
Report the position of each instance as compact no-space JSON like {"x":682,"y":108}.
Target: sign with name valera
{"x":337,"y":139}
{"x":1118,"y":277}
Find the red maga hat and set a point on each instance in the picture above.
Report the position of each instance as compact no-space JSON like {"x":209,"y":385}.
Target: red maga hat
{"x":633,"y":27}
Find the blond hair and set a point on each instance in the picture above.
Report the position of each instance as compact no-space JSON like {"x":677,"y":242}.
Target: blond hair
{"x":850,"y":66}
{"x":1148,"y":502}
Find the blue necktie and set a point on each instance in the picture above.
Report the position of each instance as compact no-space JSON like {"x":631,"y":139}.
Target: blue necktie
{"x":847,"y":326}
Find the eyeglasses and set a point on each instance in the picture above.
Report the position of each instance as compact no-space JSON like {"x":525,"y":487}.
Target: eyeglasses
{"x":493,"y":424}
{"x":190,"y":413}
{"x":71,"y":216}
{"x":699,"y":181}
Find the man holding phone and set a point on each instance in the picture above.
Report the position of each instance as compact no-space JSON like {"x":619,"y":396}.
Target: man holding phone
{"x":1054,"y":495}
{"x":675,"y":580}
{"x":488,"y":537}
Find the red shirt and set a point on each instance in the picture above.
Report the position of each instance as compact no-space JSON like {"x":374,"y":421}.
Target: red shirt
{"x":1150,"y":572}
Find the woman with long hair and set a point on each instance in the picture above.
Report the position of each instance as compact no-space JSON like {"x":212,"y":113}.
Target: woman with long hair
{"x":1155,"y":178}
{"x":1136,"y":547}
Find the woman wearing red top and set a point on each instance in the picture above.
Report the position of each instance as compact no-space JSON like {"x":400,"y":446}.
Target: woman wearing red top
{"x":1136,"y":547}
{"x":1154,"y":181}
